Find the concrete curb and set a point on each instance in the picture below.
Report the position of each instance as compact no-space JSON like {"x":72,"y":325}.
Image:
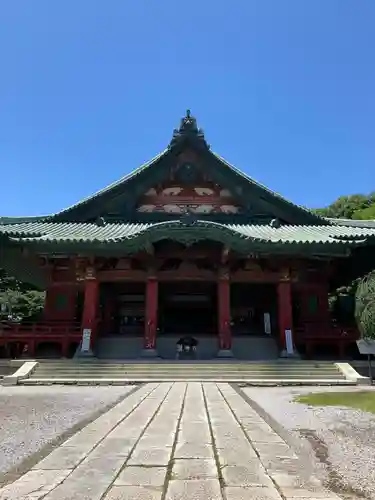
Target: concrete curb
{"x":22,"y":373}
{"x":352,"y":375}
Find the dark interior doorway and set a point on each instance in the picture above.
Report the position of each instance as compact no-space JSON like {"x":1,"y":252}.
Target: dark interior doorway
{"x":187,"y":308}
{"x":253,"y":309}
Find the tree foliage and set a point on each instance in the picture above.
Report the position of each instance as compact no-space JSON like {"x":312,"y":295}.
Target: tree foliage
{"x":365,"y":306}
{"x":19,"y":301}
{"x":356,"y":206}
{"x":343,"y":300}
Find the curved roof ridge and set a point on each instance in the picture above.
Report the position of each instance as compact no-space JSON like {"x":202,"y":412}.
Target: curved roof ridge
{"x":369,"y":223}
{"x":114,"y":184}
{"x":22,"y":220}
{"x":263,"y":187}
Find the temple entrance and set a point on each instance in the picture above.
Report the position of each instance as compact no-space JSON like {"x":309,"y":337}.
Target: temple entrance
{"x":122,"y":308}
{"x":187,"y":308}
{"x":254,"y":309}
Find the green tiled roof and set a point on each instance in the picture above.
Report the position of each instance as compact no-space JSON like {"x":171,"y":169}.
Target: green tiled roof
{"x":352,"y":222}
{"x":189,"y":134}
{"x":89,"y":232}
{"x":122,"y":181}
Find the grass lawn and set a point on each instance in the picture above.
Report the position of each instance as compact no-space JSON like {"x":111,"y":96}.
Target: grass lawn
{"x":364,"y":401}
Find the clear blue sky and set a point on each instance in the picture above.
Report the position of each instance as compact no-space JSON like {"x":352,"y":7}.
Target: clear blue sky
{"x":89,"y":90}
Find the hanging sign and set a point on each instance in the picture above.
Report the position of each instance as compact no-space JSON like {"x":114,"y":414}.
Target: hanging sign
{"x":86,"y":339}
{"x":267,"y":323}
{"x":289,"y":342}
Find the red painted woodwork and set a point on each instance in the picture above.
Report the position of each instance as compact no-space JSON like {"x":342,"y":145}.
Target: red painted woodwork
{"x":33,"y":334}
{"x":314,"y":328}
{"x":225,"y":336}
{"x":243,"y":276}
{"x":285,"y":312}
{"x":183,"y":195}
{"x":53,"y":311}
{"x":151,"y":313}
{"x":315,"y":334}
{"x":194,"y":199}
{"x":90,"y":307}
{"x":113,"y":275}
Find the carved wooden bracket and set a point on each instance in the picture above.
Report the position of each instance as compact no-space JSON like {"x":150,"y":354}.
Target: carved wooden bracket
{"x":224,"y":273}
{"x":252,"y":265}
{"x":90,"y":273}
{"x":84,"y":270}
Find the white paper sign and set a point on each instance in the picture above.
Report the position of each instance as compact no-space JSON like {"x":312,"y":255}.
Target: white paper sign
{"x":366,"y":346}
{"x":289,"y":342}
{"x":86,"y":339}
{"x":267,"y":323}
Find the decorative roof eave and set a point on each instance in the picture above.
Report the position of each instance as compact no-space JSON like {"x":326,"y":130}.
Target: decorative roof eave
{"x":21,"y":265}
{"x":5,"y":221}
{"x":309,"y":250}
{"x":188,"y":231}
{"x":369,"y":223}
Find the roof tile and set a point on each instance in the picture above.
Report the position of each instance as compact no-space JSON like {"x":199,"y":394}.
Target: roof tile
{"x":89,"y":232}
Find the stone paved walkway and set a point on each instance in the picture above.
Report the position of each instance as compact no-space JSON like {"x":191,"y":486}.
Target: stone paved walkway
{"x":172,"y":441}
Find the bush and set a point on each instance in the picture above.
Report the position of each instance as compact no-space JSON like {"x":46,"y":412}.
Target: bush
{"x":365,"y":306}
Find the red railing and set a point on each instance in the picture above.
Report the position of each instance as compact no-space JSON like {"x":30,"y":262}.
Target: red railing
{"x":40,"y":330}
{"x":326,"y":332}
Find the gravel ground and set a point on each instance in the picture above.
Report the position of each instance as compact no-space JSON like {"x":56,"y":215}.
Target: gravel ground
{"x":341,"y":441}
{"x":33,"y":417}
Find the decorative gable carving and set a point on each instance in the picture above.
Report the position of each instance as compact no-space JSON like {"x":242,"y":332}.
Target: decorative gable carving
{"x":177,"y":198}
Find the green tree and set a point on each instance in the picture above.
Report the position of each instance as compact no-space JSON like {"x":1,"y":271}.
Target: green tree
{"x":365,"y":306}
{"x":19,"y":301}
{"x":356,"y":206}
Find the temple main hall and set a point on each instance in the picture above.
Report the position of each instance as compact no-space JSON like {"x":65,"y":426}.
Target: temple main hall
{"x":184,"y":247}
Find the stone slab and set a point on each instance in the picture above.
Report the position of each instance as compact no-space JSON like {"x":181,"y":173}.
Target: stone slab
{"x":285,"y":480}
{"x":254,"y":493}
{"x":245,"y":475}
{"x":141,"y":476}
{"x":34,"y":484}
{"x":194,"y":468}
{"x":65,"y":457}
{"x":134,"y":493}
{"x":208,"y":489}
{"x":310,"y":494}
{"x":192,"y":450}
{"x":150,"y":456}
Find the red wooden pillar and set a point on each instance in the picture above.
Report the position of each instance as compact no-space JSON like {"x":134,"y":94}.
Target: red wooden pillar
{"x":90,"y":310}
{"x":225,"y":334}
{"x":151,"y":317}
{"x":285,"y":311}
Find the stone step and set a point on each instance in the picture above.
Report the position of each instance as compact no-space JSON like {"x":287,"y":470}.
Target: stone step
{"x":183,"y":367}
{"x":192,"y":364}
{"x":163,"y":375}
{"x":176,"y":369}
{"x":249,"y":382}
{"x":96,"y":372}
{"x":182,"y":374}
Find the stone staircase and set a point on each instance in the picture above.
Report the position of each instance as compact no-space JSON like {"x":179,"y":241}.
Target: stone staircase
{"x":249,"y":348}
{"x":283,"y":372}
